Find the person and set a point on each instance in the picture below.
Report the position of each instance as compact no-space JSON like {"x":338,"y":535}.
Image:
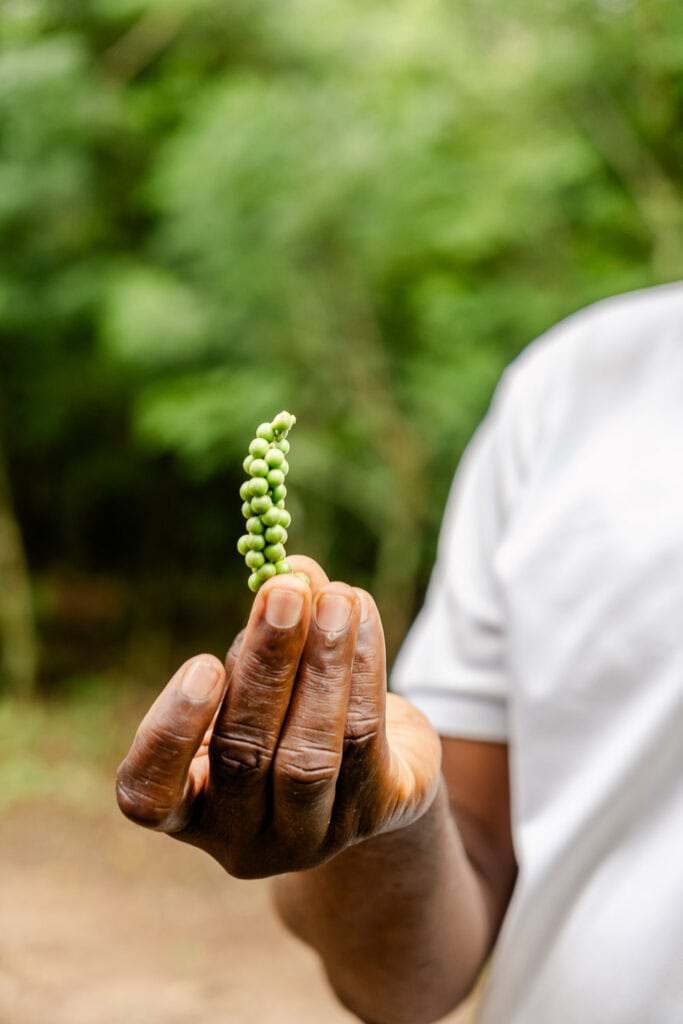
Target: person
{"x":544,"y":828}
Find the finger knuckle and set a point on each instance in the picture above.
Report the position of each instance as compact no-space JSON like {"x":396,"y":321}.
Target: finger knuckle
{"x":242,"y":757}
{"x":363,"y":721}
{"x":142,"y":808}
{"x":360,"y":736}
{"x":309,"y":771}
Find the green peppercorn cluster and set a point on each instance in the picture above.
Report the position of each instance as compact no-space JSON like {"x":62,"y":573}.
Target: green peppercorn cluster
{"x":263,"y":495}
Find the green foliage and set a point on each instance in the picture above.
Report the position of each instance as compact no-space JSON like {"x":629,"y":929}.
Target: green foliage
{"x":361,"y":211}
{"x":65,"y":753}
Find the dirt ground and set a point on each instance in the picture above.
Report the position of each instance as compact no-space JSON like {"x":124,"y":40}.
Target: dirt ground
{"x":104,"y":923}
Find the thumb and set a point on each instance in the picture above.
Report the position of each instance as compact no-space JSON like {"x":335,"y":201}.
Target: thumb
{"x":152,"y":785}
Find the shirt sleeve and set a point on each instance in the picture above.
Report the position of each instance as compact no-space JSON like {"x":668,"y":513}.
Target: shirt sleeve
{"x":452,"y":665}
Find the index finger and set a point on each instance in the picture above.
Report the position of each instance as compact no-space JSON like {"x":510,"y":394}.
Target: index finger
{"x":299,"y":563}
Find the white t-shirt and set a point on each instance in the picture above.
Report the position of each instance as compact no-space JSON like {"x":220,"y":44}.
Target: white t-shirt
{"x":554,"y":621}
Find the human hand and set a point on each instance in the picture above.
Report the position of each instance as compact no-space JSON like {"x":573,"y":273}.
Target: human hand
{"x":291,"y":753}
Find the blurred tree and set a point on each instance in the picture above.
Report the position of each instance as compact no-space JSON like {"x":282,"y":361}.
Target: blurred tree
{"x":18,"y":640}
{"x":366,"y":220}
{"x":360,"y":212}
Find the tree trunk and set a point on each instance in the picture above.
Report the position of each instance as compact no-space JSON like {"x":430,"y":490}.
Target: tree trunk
{"x":18,"y":640}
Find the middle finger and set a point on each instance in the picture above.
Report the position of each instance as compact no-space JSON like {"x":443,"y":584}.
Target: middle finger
{"x":308,"y":757}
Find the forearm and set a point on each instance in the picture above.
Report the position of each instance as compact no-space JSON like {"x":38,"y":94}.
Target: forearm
{"x":401,"y":921}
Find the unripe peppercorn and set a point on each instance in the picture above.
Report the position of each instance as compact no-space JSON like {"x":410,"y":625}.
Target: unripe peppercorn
{"x":274,"y":457}
{"x":254,"y":559}
{"x":275,"y":477}
{"x":258,"y":485}
{"x":263,"y":494}
{"x":275,"y":535}
{"x":266,"y":571}
{"x":271,"y":517}
{"x":261,"y":504}
{"x":274,"y":553}
{"x":282,"y":423}
{"x":258,"y":447}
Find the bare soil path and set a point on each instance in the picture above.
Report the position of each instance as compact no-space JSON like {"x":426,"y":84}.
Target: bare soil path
{"x":104,"y":923}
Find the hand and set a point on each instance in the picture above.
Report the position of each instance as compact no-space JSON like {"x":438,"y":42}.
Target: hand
{"x":291,"y":753}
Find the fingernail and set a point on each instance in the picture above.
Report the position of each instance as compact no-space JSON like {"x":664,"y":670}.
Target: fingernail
{"x":199,"y":679}
{"x":284,"y":607}
{"x":332,"y":612}
{"x":364,"y":606}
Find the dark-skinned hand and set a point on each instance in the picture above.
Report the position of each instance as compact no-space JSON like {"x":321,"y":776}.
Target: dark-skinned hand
{"x":292,"y":751}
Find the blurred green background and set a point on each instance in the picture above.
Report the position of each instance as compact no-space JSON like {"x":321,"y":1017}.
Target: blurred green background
{"x":357,"y":211}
